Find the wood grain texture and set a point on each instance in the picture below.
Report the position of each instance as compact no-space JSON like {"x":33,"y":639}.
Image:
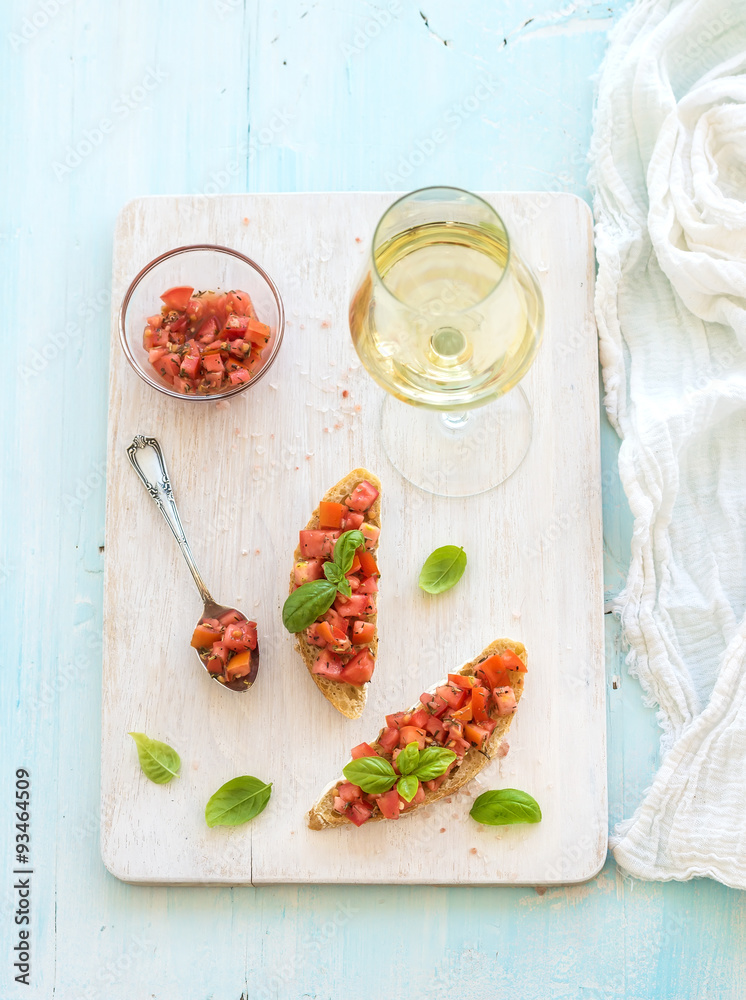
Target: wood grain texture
{"x":245,"y":475}
{"x":359,"y":103}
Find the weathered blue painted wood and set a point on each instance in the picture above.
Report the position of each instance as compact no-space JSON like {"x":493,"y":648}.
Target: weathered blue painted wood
{"x":104,"y":102}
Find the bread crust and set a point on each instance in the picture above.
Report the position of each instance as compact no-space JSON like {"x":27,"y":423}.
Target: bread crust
{"x":349,"y":699}
{"x":323,"y":816}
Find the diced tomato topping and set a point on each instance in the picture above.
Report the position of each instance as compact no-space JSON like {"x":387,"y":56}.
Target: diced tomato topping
{"x":512,"y":662}
{"x":352,"y":607}
{"x":435,"y":727}
{"x":389,"y":739}
{"x":177,"y":298}
{"x":328,"y":664}
{"x":352,"y":520}
{"x":463,"y":714}
{"x":369,"y":585}
{"x":229,"y":617}
{"x":480,"y":699}
{"x":306,"y":570}
{"x":330,"y":514}
{"x":363,"y":633}
{"x":340,"y":805}
{"x":491,"y":678}
{"x":489,"y":725}
{"x":349,"y":792}
{"x":258,"y":333}
{"x":239,"y":665}
{"x":205,"y":635}
{"x":459,"y":680}
{"x":362,"y":497}
{"x":412,"y":734}
{"x":315,"y":544}
{"x":458,"y":745}
{"x":313,"y":635}
{"x":213,"y":363}
{"x":420,"y":717}
{"x":359,"y":669}
{"x":334,"y":618}
{"x":355,"y":567}
{"x":454,"y":727}
{"x":396,"y":721}
{"x":388,"y":803}
{"x":188,"y":328}
{"x":359,"y":813}
{"x":434,"y":703}
{"x":362,"y":750}
{"x":475,"y":734}
{"x":505,"y":702}
{"x":454,"y":696}
{"x":339,"y":643}
{"x":370,"y":533}
{"x":236,"y":637}
{"x":368,"y":564}
{"x":434,"y":783}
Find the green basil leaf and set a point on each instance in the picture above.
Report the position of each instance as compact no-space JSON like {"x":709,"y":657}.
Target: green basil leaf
{"x":373,"y":774}
{"x":345,"y":548}
{"x":409,"y":758}
{"x":407,"y":787}
{"x":237,"y":801}
{"x":504,"y":806}
{"x":433,"y":762}
{"x":443,"y":569}
{"x":344,"y":587}
{"x":307,"y":603}
{"x":158,"y":761}
{"x":333,"y":573}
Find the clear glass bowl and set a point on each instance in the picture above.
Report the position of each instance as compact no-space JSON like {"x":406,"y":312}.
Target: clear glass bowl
{"x":203,"y":267}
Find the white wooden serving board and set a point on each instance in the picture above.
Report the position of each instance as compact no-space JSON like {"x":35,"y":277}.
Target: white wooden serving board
{"x":247,"y":475}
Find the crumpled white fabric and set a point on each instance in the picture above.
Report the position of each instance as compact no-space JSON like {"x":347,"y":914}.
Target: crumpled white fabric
{"x":669,"y":182}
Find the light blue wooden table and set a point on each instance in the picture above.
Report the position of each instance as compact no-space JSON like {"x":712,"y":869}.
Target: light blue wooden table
{"x":106,"y":101}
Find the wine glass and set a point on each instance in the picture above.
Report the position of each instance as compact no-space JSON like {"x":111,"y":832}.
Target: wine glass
{"x":447,"y":318}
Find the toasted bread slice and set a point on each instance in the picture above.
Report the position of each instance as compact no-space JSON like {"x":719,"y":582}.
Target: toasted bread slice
{"x":349,"y":699}
{"x":323,"y":814}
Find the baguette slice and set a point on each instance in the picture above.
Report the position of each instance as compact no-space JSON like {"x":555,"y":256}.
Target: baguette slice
{"x":349,"y":699}
{"x":323,"y":814}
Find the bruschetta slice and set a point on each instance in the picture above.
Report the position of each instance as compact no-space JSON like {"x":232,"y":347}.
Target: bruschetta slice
{"x":469,"y":714}
{"x":339,"y":649}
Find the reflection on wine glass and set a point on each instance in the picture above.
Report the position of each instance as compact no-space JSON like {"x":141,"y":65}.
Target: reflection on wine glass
{"x":446,"y":317}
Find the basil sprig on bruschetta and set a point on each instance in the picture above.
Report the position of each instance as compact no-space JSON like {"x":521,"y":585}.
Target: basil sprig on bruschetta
{"x":376,"y":775}
{"x":313,"y":599}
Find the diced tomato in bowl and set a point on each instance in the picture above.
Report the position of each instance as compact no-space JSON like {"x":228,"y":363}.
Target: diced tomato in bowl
{"x":251,"y":313}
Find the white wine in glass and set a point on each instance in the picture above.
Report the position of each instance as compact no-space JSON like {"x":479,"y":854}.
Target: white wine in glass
{"x":446,"y":317}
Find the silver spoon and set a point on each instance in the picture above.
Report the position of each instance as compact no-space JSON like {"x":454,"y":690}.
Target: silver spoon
{"x":212,"y":609}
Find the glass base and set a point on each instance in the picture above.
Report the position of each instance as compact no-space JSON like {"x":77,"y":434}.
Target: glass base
{"x":457,"y":454}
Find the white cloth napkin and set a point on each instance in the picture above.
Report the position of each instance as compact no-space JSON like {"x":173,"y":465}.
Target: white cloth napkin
{"x":669,"y":182}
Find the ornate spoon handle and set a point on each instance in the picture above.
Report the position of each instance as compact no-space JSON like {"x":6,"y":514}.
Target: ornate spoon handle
{"x":169,"y":510}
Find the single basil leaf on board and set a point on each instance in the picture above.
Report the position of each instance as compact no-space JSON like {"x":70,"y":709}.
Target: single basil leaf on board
{"x":433,"y":762}
{"x":407,"y":787}
{"x":345,"y":548}
{"x":505,"y":805}
{"x":373,"y":774}
{"x":306,"y":603}
{"x":443,"y":569}
{"x":409,"y":758}
{"x":158,"y":761}
{"x":237,"y":801}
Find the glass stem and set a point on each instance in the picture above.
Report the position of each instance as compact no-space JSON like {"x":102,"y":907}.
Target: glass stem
{"x":455,"y":421}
